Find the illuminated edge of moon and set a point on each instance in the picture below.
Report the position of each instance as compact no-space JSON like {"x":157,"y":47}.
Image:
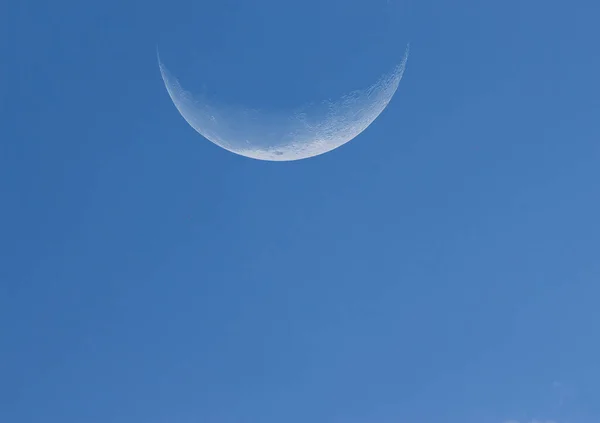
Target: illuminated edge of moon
{"x":342,"y":123}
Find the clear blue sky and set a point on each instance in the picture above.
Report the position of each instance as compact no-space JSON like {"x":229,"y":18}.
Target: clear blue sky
{"x":443,"y":267}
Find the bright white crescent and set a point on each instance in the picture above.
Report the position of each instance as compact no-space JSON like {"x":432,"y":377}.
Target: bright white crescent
{"x":283,"y":136}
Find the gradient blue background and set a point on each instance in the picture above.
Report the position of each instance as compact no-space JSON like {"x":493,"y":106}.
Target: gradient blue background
{"x":442,"y":267}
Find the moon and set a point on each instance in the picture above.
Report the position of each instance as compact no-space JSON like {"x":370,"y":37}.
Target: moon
{"x":295,"y":134}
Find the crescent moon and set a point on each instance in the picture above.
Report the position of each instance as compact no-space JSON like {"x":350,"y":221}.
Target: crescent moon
{"x":301,"y":133}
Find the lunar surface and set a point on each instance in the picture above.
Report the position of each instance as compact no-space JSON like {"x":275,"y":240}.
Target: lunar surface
{"x":284,"y":135}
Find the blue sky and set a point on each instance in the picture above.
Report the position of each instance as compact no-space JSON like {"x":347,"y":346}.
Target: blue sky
{"x":441,"y":267}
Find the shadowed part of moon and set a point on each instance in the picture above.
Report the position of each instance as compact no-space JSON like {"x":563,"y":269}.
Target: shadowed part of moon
{"x":283,"y":136}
